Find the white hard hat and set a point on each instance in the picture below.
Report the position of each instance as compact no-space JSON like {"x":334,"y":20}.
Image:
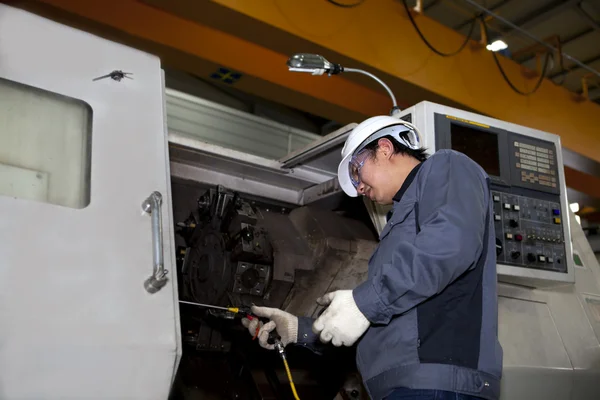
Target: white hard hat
{"x":367,"y":132}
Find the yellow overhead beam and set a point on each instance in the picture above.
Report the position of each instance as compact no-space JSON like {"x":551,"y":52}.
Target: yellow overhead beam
{"x":198,"y":36}
{"x":378,"y":34}
{"x":200,"y":49}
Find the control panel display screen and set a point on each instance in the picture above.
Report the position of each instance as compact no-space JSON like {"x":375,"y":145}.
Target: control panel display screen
{"x":479,"y":145}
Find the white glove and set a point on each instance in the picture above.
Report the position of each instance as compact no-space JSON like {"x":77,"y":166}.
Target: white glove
{"x":342,"y":323}
{"x":286,"y":324}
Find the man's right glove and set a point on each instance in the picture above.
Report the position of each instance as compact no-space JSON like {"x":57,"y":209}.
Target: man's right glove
{"x":342,"y":322}
{"x":285,"y":323}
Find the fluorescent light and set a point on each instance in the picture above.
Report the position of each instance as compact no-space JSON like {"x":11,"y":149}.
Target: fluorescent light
{"x":578,"y":219}
{"x":574,"y":207}
{"x":496,"y":46}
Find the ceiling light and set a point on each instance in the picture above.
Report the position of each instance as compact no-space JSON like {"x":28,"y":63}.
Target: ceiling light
{"x":574,"y":207}
{"x":312,"y":63}
{"x":497,"y":46}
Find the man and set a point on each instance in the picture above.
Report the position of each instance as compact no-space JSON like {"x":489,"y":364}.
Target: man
{"x":426,"y":317}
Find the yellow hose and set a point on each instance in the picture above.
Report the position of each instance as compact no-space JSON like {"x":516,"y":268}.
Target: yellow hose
{"x":289,"y":374}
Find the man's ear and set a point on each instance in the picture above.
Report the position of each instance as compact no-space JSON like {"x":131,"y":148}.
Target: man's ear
{"x":386,"y":147}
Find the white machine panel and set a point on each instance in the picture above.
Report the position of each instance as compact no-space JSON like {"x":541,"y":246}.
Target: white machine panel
{"x":78,"y":157}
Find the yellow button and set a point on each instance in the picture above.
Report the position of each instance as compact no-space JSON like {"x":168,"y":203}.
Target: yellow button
{"x":556,"y":220}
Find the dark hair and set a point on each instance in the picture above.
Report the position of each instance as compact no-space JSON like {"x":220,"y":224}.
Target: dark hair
{"x":419,"y":154}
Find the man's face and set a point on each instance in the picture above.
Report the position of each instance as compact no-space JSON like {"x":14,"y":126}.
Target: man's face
{"x":375,"y":176}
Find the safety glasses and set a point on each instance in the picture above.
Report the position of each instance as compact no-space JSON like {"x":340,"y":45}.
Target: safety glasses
{"x":356,"y":164}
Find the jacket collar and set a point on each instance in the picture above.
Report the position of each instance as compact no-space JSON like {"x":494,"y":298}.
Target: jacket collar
{"x":407,"y":182}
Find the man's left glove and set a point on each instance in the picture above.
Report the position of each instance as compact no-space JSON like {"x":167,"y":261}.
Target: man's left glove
{"x":342,"y":323}
{"x":285,"y":323}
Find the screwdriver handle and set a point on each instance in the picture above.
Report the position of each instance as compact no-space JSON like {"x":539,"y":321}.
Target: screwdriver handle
{"x":274,"y":338}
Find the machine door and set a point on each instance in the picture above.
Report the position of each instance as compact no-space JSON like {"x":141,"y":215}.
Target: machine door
{"x":324,"y":155}
{"x":83,"y":165}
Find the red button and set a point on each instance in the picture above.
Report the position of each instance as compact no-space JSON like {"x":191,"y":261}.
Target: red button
{"x":518,"y":237}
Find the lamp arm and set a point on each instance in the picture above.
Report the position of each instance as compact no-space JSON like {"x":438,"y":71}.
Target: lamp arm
{"x":386,"y":87}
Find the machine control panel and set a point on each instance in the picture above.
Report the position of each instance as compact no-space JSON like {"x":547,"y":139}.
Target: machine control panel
{"x":529,"y":232}
{"x":527,"y":192}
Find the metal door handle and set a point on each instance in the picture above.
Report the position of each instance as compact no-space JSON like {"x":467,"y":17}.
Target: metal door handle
{"x":158,"y":279}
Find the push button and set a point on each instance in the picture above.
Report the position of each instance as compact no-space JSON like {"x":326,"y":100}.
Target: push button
{"x":541,"y":258}
{"x":509,"y":236}
{"x":557,"y":220}
{"x":556,"y":211}
{"x":506,"y":206}
{"x":496,"y":198}
{"x":518,"y":237}
{"x":497,"y":217}
{"x":516,"y":207}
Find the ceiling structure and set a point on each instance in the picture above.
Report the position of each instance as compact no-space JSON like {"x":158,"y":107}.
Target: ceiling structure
{"x":201,"y":37}
{"x":571,"y":25}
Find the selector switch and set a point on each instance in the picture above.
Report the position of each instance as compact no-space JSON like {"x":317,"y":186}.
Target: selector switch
{"x":513,"y":223}
{"x":515,"y":254}
{"x":531,"y":257}
{"x":498,"y":247}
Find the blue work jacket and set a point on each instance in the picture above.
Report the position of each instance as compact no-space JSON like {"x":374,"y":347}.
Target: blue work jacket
{"x":431,"y":292}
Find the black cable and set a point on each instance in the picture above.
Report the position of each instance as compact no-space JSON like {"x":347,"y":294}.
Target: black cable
{"x":507,"y":80}
{"x":335,"y":3}
{"x":436,"y":51}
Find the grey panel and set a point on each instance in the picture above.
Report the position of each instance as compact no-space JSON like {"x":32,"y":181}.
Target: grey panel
{"x":529,"y":322}
{"x":224,"y":126}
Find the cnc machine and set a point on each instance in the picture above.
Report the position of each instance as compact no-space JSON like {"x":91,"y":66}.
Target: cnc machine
{"x":118,"y":200}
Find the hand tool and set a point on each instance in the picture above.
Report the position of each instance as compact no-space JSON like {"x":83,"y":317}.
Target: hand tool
{"x":273,"y":339}
{"x":244,"y":311}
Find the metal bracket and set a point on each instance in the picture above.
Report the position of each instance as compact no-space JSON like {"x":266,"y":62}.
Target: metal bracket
{"x":158,"y":279}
